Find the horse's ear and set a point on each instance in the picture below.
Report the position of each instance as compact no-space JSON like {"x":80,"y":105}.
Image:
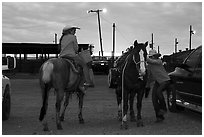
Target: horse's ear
{"x":135,"y":43}
{"x":146,"y":43}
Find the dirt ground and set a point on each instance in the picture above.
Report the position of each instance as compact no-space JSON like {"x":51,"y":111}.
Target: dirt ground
{"x":100,"y":114}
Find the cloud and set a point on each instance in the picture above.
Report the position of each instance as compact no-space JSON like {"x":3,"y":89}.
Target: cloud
{"x":38,"y":21}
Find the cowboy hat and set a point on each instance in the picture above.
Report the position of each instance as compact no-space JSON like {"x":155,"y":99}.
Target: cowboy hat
{"x":154,"y":53}
{"x":68,"y":27}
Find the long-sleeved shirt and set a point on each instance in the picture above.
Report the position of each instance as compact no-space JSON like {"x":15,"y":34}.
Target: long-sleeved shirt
{"x":69,"y":46}
{"x":157,"y":70}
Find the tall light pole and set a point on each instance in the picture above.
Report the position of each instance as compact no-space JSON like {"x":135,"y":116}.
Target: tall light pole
{"x":113,"y":40}
{"x":191,"y":32}
{"x":176,"y":45}
{"x":99,"y":26}
{"x":113,"y":52}
{"x":151,"y":45}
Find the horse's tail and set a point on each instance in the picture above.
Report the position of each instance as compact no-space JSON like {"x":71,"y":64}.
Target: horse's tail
{"x":45,"y":99}
{"x":46,"y":72}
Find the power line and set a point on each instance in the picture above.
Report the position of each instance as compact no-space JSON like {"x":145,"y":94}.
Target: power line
{"x":117,"y":30}
{"x":106,"y":20}
{"x":128,"y":41}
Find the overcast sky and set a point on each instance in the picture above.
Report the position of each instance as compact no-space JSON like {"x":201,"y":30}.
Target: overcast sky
{"x":38,"y":22}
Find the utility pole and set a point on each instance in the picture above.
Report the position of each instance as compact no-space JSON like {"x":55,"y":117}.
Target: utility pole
{"x":99,"y":28}
{"x":176,"y":44}
{"x":56,"y":43}
{"x":191,"y":32}
{"x":113,"y":52}
{"x":55,"y":38}
{"x":151,"y":45}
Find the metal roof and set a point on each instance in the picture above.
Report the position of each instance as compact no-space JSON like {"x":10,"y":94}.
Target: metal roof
{"x":33,"y":48}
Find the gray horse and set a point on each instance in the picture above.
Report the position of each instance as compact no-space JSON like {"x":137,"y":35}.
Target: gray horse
{"x":61,"y":75}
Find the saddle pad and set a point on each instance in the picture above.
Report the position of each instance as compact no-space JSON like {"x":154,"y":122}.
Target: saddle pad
{"x":86,"y":56}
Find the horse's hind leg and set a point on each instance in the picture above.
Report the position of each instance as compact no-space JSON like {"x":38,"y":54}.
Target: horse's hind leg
{"x":131,"y":103}
{"x":139,"y":107}
{"x":66,"y":103}
{"x":81,"y":98}
{"x":125,"y":109}
{"x":59,"y":98}
{"x":43,"y":116}
{"x":119,"y":98}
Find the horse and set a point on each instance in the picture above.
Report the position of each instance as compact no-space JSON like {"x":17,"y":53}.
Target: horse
{"x":132,"y":79}
{"x":60,"y":74}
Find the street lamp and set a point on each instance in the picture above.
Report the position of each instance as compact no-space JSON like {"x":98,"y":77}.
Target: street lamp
{"x":191,"y":32}
{"x":99,"y":25}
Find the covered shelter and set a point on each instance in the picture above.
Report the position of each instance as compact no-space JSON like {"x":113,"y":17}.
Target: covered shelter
{"x":31,"y":55}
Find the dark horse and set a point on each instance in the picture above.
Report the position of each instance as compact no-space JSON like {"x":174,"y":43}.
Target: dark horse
{"x":131,"y":80}
{"x":61,"y":75}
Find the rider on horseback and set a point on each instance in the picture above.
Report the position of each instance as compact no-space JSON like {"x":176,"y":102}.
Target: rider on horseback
{"x":69,"y":49}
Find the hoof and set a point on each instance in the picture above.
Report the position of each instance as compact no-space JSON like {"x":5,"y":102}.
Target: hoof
{"x":132,"y":116}
{"x":140,"y":124}
{"x":124,"y":126}
{"x":119,"y":115}
{"x":159,"y":121}
{"x":45,"y":127}
{"x":81,"y":121}
{"x":119,"y":118}
{"x":59,"y":127}
{"x":133,"y":119}
{"x":61,"y":118}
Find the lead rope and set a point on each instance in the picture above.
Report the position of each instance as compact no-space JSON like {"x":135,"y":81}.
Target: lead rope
{"x":123,"y":87}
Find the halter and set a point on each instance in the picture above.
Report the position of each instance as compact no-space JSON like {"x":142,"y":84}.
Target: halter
{"x":141,"y":74}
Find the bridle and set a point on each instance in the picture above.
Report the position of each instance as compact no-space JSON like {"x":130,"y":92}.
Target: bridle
{"x":141,"y":74}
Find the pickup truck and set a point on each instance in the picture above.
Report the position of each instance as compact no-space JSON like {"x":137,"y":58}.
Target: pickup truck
{"x":187,"y":80}
{"x":8,"y":63}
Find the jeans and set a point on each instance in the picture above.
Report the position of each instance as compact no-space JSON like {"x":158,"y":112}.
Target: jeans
{"x":158,"y":99}
{"x":80,"y":61}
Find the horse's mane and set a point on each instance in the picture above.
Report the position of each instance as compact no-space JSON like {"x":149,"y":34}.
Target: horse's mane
{"x":132,"y":50}
{"x":121,"y":61}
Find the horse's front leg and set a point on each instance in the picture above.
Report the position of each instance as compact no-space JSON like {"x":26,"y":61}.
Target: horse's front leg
{"x":59,"y":98}
{"x":81,"y":100}
{"x":131,"y":103}
{"x":139,"y":108}
{"x":66,"y":103}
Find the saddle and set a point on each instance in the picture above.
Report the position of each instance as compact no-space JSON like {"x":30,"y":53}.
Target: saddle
{"x":75,"y":67}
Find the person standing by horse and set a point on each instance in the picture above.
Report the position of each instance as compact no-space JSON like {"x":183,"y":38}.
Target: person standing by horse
{"x":69,"y":49}
{"x":162,"y":80}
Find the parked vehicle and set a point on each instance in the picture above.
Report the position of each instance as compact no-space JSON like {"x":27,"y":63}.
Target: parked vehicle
{"x":187,"y":79}
{"x":100,"y":64}
{"x":8,"y":63}
{"x":112,"y":77}
{"x":113,"y":74}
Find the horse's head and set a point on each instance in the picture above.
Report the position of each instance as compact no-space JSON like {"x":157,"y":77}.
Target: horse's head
{"x":139,"y":56}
